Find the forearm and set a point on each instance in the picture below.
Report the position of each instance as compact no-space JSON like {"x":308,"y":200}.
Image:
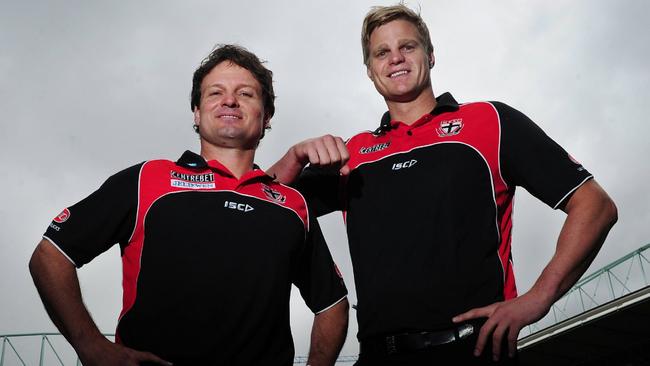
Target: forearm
{"x":590,"y":216}
{"x":328,"y":335}
{"x":57,"y":284}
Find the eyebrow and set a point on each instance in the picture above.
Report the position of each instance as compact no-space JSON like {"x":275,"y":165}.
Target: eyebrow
{"x":238,"y":86}
{"x":400,"y":42}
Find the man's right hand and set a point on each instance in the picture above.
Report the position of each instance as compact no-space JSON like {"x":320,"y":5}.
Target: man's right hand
{"x":107,"y":353}
{"x":324,"y":151}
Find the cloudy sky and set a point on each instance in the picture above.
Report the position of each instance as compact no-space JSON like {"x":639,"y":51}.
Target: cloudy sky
{"x":91,"y":87}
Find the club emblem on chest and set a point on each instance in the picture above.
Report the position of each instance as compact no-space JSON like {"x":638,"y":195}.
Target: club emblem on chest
{"x":273,"y":195}
{"x":450,"y":128}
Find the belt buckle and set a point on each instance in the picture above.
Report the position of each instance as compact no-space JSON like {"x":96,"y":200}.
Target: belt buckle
{"x":465,"y":331}
{"x":391,"y":348}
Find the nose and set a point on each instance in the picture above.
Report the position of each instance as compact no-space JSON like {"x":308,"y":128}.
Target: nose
{"x":229,"y":100}
{"x":396,"y":57}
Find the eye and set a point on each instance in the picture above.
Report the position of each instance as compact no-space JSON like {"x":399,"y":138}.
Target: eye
{"x":381,"y":53}
{"x":408,"y":47}
{"x":246,"y":93}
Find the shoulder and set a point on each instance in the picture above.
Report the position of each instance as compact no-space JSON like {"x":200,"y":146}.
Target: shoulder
{"x":367,"y":142}
{"x":361,"y":137}
{"x":127,"y":175}
{"x":287,"y":197}
{"x":155,"y":167}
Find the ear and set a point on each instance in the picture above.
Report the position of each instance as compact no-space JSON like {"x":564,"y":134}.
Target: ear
{"x":369,"y":73}
{"x":197,"y":116}
{"x":432,"y":60}
{"x":267,"y":123}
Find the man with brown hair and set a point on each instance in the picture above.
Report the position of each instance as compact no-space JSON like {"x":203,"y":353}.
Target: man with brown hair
{"x":210,"y":245}
{"x":427,"y":199}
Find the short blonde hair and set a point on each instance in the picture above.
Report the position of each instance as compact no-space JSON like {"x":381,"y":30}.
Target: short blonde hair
{"x":380,"y":15}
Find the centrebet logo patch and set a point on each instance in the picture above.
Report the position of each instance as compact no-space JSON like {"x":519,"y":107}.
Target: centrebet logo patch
{"x":450,"y":128}
{"x":192,"y":181}
{"x":272,"y":194}
{"x":62,"y":217}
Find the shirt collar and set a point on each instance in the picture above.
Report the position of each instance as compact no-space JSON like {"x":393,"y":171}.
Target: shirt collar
{"x":190,"y":159}
{"x":193,"y":160}
{"x":444,"y":103}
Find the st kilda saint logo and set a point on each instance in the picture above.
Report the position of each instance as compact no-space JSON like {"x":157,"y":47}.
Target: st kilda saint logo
{"x":450,"y":128}
{"x":272,"y":194}
{"x":62,"y":217}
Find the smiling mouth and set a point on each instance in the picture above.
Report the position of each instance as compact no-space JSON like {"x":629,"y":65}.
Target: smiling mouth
{"x":229,"y":116}
{"x":398,"y":73}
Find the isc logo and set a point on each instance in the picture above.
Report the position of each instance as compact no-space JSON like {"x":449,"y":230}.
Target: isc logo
{"x":237,"y":206}
{"x":404,"y":165}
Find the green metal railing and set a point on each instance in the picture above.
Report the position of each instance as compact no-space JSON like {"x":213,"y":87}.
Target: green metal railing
{"x":58,"y":352}
{"x":621,"y":277}
{"x":54,"y":350}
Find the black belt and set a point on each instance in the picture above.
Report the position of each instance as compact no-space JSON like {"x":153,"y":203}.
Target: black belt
{"x":415,"y":341}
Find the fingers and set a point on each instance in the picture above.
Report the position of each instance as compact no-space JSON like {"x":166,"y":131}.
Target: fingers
{"x":342,"y":150}
{"x":504,"y":319}
{"x":497,"y":336}
{"x":490,"y":328}
{"x":325,"y":150}
{"x":483,"y":336}
{"x":333,"y":150}
{"x":512,"y":341}
{"x":345,"y":170}
{"x":312,"y":154}
{"x":475,"y":313}
{"x":317,"y":152}
{"x":500,"y":323}
{"x":511,"y":332}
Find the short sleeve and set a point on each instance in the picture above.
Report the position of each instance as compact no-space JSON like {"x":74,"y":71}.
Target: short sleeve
{"x":91,"y":226}
{"x":531,"y":159}
{"x":322,"y":189}
{"x":317,"y":277}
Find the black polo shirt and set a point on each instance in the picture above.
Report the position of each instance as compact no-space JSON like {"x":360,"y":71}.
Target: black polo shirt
{"x":428,"y":210}
{"x":208,"y":259}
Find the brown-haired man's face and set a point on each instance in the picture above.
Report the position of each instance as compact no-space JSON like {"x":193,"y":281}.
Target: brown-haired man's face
{"x":398,"y":64}
{"x":231,"y":109}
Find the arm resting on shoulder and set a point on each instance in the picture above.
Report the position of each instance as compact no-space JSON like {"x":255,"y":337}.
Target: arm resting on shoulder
{"x":323,"y":151}
{"x":328,"y":334}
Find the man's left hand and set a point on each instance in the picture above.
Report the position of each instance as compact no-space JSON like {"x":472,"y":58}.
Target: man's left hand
{"x":505,"y":319}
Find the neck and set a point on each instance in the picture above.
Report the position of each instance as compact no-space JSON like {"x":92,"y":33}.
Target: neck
{"x":410,"y":111}
{"x":238,"y":161}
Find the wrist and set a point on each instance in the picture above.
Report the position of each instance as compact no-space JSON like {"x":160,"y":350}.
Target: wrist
{"x":90,"y":345}
{"x":545,"y":296}
{"x":297,"y":159}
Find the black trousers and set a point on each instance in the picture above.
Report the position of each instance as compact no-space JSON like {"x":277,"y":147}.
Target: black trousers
{"x":458,"y":353}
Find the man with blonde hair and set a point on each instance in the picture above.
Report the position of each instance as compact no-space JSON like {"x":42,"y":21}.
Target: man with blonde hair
{"x":427,"y":198}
